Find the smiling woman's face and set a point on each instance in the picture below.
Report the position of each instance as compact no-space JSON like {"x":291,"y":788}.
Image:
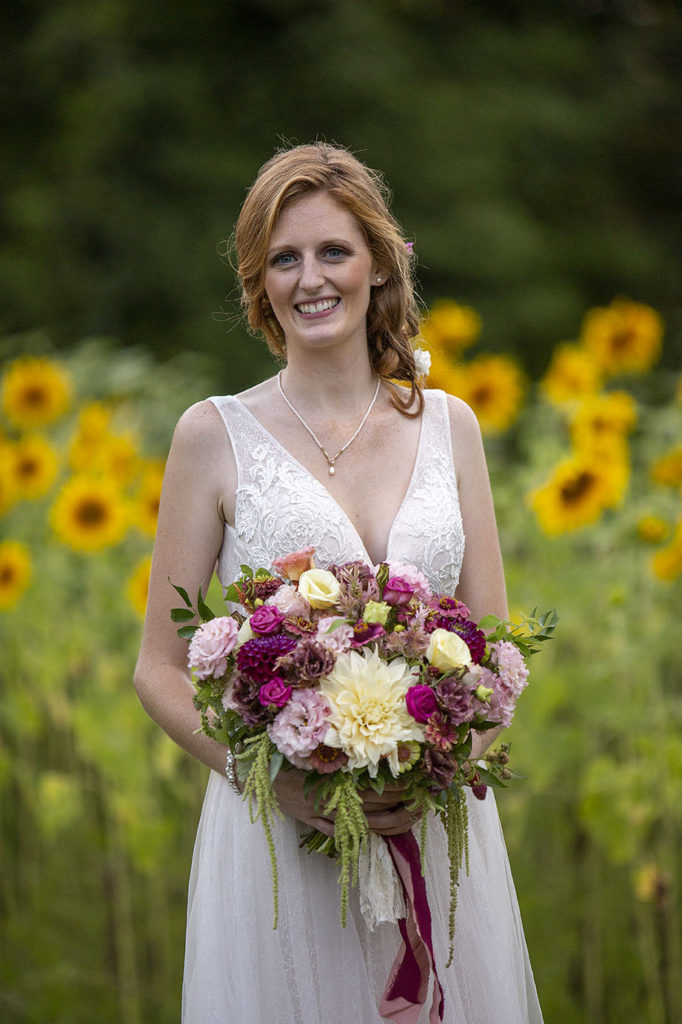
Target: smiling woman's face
{"x":318,"y":274}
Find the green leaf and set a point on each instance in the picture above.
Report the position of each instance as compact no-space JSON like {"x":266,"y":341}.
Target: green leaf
{"x":231,"y":594}
{"x":182,"y":592}
{"x":182,"y":614}
{"x":378,"y":784}
{"x":204,"y":611}
{"x":490,"y":622}
{"x":276,"y":763}
{"x":246,"y":571}
{"x":187,"y":632}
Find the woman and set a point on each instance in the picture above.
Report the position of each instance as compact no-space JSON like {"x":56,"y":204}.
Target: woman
{"x":328,"y":453}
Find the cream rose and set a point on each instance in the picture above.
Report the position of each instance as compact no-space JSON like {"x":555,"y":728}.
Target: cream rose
{"x":245,"y":632}
{"x":447,"y":651}
{"x":376,"y":611}
{"x":319,"y":587}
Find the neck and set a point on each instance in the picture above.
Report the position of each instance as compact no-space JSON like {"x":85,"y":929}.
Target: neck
{"x":339,"y":382}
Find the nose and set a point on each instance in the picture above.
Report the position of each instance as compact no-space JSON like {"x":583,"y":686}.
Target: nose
{"x":312,"y":277}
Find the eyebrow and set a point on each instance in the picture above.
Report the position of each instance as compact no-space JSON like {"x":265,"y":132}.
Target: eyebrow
{"x":340,"y":242}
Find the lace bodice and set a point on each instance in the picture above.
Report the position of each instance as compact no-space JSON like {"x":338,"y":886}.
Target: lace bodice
{"x":281,"y":507}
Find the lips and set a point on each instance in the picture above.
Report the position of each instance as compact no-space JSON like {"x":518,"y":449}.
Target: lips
{"x":321,"y":306}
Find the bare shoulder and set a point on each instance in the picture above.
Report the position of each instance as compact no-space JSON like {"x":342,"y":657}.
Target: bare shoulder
{"x":463,"y":421}
{"x":200,"y":425}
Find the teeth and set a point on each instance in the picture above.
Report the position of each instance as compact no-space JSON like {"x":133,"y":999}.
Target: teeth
{"x":316,"y":307}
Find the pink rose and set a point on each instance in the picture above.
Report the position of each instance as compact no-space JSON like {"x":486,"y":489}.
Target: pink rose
{"x":266,"y":619}
{"x":411,"y":575}
{"x":210,"y":646}
{"x":276,"y":692}
{"x":398,"y":592}
{"x":421,"y":702}
{"x":294,"y":565}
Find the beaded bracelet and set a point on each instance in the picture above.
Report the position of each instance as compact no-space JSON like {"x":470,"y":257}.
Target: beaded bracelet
{"x":231,"y":772}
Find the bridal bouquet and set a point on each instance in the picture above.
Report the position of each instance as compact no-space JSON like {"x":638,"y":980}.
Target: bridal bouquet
{"x":359,"y":676}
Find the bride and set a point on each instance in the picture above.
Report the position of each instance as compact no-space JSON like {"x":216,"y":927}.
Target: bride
{"x":328,"y":453}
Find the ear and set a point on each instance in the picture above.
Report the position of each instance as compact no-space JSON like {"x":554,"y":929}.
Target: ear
{"x":378,"y":278}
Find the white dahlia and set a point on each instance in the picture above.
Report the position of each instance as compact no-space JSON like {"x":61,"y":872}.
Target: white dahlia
{"x":369,"y":716}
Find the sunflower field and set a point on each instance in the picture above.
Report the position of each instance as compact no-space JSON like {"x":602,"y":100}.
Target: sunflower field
{"x":98,"y":808}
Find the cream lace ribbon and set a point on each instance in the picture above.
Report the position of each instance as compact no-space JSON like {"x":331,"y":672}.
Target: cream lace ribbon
{"x":380,"y":889}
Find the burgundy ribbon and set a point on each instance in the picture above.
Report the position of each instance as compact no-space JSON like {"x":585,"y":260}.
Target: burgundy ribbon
{"x":408,"y":982}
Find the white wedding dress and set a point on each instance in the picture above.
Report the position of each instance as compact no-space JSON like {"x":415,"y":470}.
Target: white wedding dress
{"x":238,"y":970}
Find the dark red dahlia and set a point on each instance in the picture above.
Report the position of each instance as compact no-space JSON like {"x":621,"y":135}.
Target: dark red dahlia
{"x":472,"y":636}
{"x":256,"y":658}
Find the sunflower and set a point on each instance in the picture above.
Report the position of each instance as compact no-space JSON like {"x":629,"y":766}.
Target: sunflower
{"x":137,"y":587}
{"x":89,"y":514}
{"x":7,"y":483}
{"x":94,"y":421}
{"x":450,"y":327}
{"x":601,"y":422}
{"x":625,"y":337}
{"x":35,"y":392}
{"x":666,"y":563}
{"x":652,"y":529}
{"x":15,"y":572}
{"x":578,"y":492}
{"x":667,"y":470}
{"x":492,"y":386}
{"x":146,"y":509}
{"x":572,"y":374}
{"x":33,"y":465}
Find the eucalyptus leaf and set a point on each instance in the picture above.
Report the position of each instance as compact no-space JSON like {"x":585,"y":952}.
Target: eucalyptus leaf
{"x":182,"y":614}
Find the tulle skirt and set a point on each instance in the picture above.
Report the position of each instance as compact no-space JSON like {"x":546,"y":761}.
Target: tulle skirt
{"x":238,"y":970}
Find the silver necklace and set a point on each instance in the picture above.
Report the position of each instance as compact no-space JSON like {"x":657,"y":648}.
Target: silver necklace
{"x":331,"y":459}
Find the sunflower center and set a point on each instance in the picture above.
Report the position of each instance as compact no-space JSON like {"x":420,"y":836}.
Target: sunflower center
{"x":573,"y":490}
{"x":91,"y":512}
{"x":7,"y":575}
{"x":27,"y":468}
{"x":621,"y":341}
{"x":34,"y":396}
{"x":481,"y":395}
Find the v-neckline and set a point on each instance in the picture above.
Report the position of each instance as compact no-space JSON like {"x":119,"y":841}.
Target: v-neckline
{"x":327,"y":492}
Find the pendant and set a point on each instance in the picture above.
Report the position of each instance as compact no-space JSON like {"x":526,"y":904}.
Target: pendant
{"x":332,"y":471}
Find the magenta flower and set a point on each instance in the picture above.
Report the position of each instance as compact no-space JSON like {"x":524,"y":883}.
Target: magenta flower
{"x":411,"y":575}
{"x":211,"y":645}
{"x":449,"y":606}
{"x":421,"y":702}
{"x":364,"y":632}
{"x":398,"y":592}
{"x":274,"y":693}
{"x":266,"y":620}
{"x":301,"y":726}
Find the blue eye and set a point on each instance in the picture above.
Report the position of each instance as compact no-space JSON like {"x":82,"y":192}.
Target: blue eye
{"x":284,"y":259}
{"x":335,"y":252}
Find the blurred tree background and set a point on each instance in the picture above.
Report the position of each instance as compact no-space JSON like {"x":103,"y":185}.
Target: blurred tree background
{"x":535,"y":155}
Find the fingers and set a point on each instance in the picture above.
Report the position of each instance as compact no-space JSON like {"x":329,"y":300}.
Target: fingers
{"x":392,"y":822}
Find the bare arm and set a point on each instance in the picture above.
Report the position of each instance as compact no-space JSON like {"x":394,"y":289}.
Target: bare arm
{"x":481,"y":582}
{"x":188,"y":540}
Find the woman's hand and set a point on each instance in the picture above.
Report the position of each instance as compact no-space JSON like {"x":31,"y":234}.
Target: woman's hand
{"x":386,"y":814}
